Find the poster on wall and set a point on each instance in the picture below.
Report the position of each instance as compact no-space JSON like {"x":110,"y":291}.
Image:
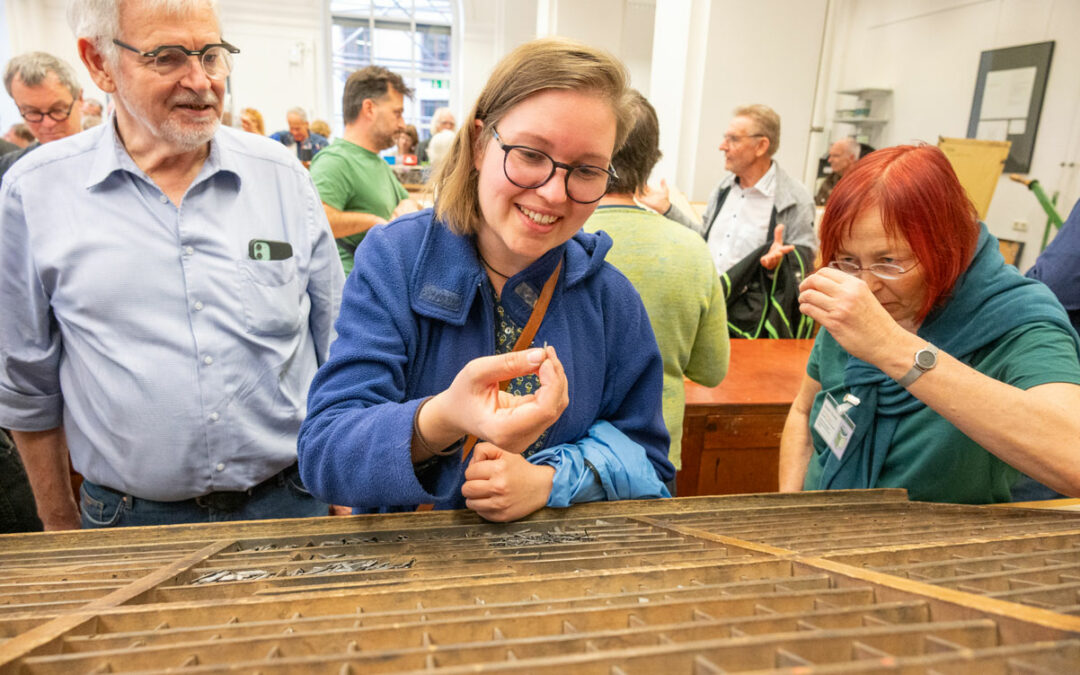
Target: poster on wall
{"x":1009,"y":91}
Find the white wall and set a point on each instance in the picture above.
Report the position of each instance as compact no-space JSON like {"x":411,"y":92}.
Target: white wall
{"x":492,"y":28}
{"x":282,"y":61}
{"x":710,"y":56}
{"x":928,"y":51}
{"x":622,"y":27}
{"x":9,"y":112}
{"x":761,"y":52}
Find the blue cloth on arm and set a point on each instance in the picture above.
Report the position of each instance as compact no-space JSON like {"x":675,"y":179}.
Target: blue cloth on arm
{"x":989,"y":300}
{"x":604,"y":465}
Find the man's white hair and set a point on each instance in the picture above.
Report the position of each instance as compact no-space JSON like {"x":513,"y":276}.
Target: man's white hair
{"x":437,"y":116}
{"x":439,"y":146}
{"x":299,"y":112}
{"x":849,"y":145}
{"x":99,"y":20}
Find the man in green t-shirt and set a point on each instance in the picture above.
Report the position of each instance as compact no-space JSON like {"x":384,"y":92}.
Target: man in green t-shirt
{"x":357,"y":187}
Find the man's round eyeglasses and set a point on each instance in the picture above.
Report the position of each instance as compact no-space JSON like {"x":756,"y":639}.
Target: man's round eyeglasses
{"x":216,"y":59}
{"x":55,"y":114}
{"x":530,"y":168}
{"x":887,"y":271}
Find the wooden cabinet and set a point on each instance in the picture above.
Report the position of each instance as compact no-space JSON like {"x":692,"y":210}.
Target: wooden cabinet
{"x":731,"y":433}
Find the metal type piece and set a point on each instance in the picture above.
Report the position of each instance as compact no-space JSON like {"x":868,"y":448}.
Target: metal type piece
{"x":852,"y":582}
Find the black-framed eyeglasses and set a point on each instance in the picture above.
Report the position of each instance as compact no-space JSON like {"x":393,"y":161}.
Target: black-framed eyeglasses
{"x":55,"y":114}
{"x":887,"y":271}
{"x":216,"y":59}
{"x":530,"y":168}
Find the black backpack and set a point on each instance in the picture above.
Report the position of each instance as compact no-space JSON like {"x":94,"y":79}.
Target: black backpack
{"x":764,"y":304}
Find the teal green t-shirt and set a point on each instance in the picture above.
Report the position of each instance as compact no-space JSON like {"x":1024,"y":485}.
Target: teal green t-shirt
{"x":930,"y":457}
{"x":672,"y":270}
{"x":350,"y":178}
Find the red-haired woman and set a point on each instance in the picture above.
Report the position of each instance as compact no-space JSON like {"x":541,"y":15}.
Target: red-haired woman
{"x":938,"y":368}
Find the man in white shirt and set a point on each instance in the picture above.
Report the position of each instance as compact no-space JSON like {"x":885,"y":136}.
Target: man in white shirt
{"x":756,"y":203}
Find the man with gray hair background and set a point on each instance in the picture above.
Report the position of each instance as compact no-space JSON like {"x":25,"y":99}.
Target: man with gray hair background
{"x":301,"y":136}
{"x":170,"y":300}
{"x":441,"y":120}
{"x":48,"y":96}
{"x":756,"y":203}
{"x":842,"y":156}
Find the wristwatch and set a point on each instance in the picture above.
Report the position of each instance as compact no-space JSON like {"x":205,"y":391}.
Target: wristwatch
{"x":925,"y":359}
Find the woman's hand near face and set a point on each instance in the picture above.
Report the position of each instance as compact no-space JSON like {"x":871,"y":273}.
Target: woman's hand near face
{"x":475,"y":404}
{"x":844,"y":305}
{"x":502,"y":486}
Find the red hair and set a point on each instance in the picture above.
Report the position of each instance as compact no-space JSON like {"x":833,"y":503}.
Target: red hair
{"x":919,"y":200}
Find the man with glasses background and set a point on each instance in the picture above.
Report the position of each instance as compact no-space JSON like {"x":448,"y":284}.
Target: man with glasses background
{"x":173,"y":285}
{"x":49,"y":98}
{"x":755,"y":204}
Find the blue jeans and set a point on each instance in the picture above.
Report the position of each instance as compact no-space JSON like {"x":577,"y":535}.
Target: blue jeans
{"x":282,"y":496}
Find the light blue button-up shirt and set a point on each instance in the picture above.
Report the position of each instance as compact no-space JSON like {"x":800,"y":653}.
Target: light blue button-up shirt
{"x":176,"y":363}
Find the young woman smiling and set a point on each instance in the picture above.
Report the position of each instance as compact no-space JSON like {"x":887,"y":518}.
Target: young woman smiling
{"x":437,"y":300}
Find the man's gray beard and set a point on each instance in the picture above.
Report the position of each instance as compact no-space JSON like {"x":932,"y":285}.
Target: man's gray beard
{"x":188,"y":138}
{"x":184,"y":139}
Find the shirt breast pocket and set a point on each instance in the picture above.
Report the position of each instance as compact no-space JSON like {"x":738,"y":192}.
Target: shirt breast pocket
{"x":271,"y":296}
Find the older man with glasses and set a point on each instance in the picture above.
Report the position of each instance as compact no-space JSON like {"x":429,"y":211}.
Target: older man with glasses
{"x":756,"y":218}
{"x":49,"y":99}
{"x":173,"y":296}
{"x":756,"y":203}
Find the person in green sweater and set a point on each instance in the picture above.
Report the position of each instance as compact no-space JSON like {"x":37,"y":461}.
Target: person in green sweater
{"x":671,"y":269}
{"x":357,"y":187}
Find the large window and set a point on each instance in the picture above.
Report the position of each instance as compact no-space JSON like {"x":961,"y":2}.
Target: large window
{"x":410,"y":37}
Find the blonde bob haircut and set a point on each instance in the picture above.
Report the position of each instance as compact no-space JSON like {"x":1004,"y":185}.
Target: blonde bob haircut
{"x":536,"y":66}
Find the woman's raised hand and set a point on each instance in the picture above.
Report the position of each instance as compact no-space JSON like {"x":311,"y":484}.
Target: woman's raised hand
{"x":844,"y":305}
{"x":475,"y":404}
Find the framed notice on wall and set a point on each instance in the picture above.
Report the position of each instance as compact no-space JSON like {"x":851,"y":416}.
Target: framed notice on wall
{"x":1008,"y":99}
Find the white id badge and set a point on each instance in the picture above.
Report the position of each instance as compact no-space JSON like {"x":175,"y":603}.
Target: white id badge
{"x":833,"y":424}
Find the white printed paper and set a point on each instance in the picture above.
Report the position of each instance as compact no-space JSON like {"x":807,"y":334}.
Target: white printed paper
{"x":992,"y":130}
{"x":1007,"y":93}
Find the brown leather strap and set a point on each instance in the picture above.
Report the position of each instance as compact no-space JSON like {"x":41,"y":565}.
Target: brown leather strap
{"x":523,"y":341}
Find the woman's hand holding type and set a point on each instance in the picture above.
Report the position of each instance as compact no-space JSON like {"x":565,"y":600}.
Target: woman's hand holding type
{"x":502,"y":486}
{"x":475,"y":404}
{"x":844,"y":305}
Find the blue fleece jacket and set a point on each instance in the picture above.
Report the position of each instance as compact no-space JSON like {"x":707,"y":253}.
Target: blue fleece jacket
{"x":416,"y":308}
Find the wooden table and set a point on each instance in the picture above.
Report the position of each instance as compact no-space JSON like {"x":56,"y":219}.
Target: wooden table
{"x":731,"y":433}
{"x":853,"y":581}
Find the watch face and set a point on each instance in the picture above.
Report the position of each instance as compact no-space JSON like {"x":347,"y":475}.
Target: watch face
{"x":925,"y":359}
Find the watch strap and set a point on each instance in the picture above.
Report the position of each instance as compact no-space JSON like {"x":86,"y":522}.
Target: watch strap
{"x":916,"y":368}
